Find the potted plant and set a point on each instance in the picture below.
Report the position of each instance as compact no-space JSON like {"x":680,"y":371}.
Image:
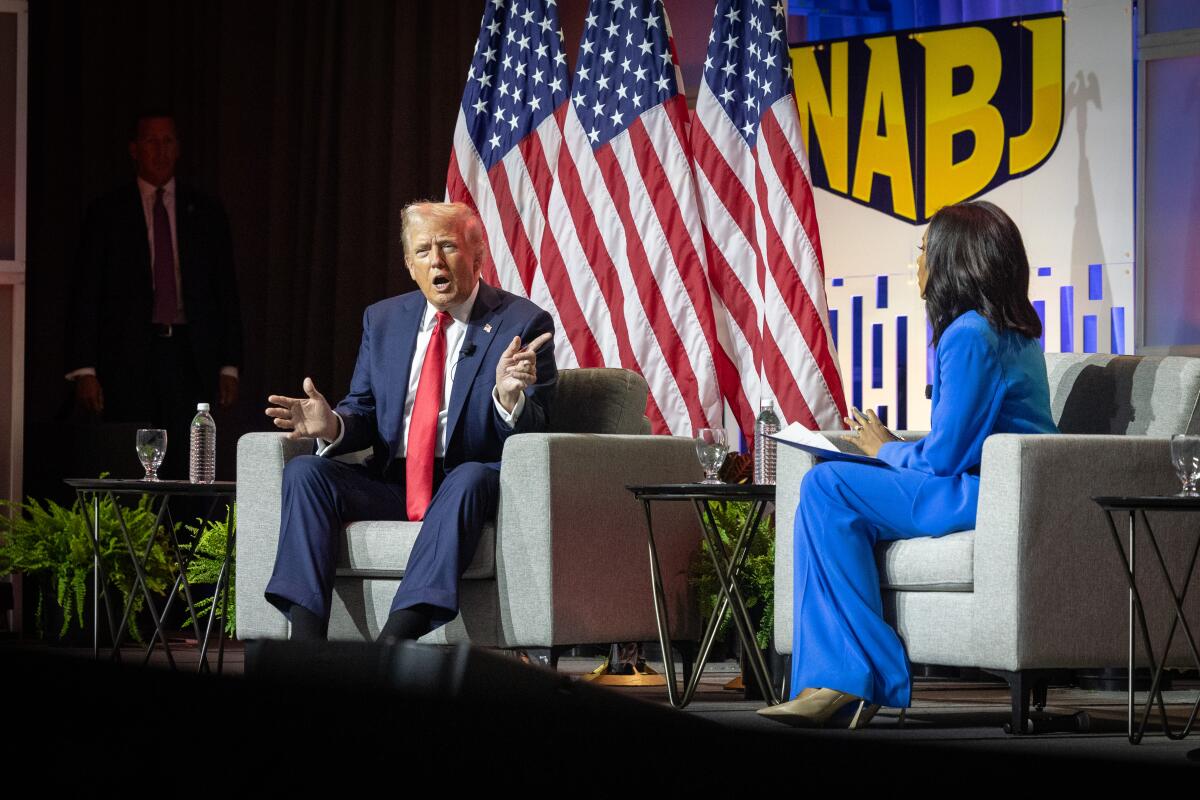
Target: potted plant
{"x":206,"y":556}
{"x":53,"y":544}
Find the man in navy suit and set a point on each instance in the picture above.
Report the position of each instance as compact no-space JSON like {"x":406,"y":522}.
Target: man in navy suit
{"x":444,"y":376}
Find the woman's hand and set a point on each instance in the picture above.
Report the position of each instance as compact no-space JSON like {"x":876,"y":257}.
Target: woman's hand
{"x":872,"y":434}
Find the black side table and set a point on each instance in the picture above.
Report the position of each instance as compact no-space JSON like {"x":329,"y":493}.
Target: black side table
{"x":1136,"y":507}
{"x":92,"y":491}
{"x":728,"y":565}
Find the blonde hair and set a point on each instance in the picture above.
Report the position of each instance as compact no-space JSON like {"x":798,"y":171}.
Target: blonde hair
{"x":468,"y":220}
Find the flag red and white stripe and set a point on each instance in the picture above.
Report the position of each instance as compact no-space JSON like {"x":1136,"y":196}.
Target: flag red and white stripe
{"x":760,"y":220}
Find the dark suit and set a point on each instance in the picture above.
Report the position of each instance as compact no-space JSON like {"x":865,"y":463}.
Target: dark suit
{"x":320,"y":495}
{"x":114,"y":299}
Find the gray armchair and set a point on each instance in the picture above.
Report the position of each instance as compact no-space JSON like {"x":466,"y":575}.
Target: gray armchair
{"x":1038,"y":585}
{"x":565,"y":562}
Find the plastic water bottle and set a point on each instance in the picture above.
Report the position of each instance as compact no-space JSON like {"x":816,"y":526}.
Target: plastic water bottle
{"x":202,"y":467}
{"x":765,"y":426}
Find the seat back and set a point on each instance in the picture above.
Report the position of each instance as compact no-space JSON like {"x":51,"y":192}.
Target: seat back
{"x":1138,"y":395}
{"x":599,"y":400}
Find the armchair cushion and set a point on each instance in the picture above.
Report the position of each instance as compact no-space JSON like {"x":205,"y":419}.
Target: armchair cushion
{"x":942,"y":564}
{"x":380,"y":548}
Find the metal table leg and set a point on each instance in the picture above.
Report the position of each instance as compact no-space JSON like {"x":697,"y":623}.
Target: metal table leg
{"x":1137,"y":619}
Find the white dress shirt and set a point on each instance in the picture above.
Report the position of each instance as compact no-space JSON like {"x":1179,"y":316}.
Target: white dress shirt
{"x":456,"y":332}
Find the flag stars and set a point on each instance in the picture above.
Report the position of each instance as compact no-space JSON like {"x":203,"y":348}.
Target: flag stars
{"x":734,"y":15}
{"x":521,"y":68}
{"x":708,"y":65}
{"x":556,"y":85}
{"x":629,"y":38}
{"x":535,"y":103}
{"x":512,"y":121}
{"x":527,"y":16}
{"x":587,"y":46}
{"x":541,"y":50}
{"x":591,"y":20}
{"x":622,"y":91}
{"x":616,"y":117}
{"x":503,"y":88}
{"x":726,"y":95}
{"x":479,"y":106}
{"x":484,"y":80}
{"x":645,"y":47}
{"x":493,"y":27}
{"x":775,"y":34}
{"x":560,"y":58}
{"x":663,"y":83}
{"x":507,"y":62}
{"x":607,"y":56}
{"x":495,"y":140}
{"x":489,"y":55}
{"x":666,"y":57}
{"x":748,"y":130}
{"x":524,"y":43}
{"x":613,"y":29}
{"x":583,"y":74}
{"x":639,"y":74}
{"x":537,"y":77}
{"x":512,"y":35}
{"x":602,"y":82}
{"x":731,"y":41}
{"x":594,"y":136}
{"x":637,"y":101}
{"x":652,"y":21}
{"x":729,"y":68}
{"x":545,"y":25}
{"x":625,"y":66}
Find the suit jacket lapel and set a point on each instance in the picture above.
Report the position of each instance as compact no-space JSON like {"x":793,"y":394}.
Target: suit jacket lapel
{"x":399,"y":349}
{"x":481,"y":333}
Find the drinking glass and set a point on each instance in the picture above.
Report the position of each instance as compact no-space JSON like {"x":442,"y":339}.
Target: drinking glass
{"x":711,"y":449}
{"x":151,"y":447}
{"x":1185,"y":453}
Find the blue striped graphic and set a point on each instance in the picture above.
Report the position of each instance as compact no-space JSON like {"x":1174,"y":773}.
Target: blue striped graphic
{"x":1043,"y":272}
{"x":1118,"y":330}
{"x":836,"y":281}
{"x":1040,"y":307}
{"x":877,"y":356}
{"x":1066,"y":319}
{"x":881,"y":412}
{"x":881,"y":289}
{"x":1095,"y":284}
{"x":1089,"y":333}
{"x":902,"y":372}
{"x":833,"y":326}
{"x":856,"y":350}
{"x":930,"y":357}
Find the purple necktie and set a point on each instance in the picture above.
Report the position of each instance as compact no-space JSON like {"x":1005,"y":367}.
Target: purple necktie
{"x":166,"y":303}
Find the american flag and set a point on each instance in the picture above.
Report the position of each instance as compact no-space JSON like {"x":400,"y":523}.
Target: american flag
{"x":627,"y":209}
{"x":590,"y":205}
{"x":506,"y":146}
{"x":760,"y":222}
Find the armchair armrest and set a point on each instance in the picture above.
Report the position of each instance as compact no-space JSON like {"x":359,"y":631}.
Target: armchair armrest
{"x":571,"y":550}
{"x":1049,"y":588}
{"x":261,"y":458}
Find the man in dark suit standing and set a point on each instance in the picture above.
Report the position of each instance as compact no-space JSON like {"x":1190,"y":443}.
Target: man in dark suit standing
{"x":156,"y":322}
{"x":444,"y":376}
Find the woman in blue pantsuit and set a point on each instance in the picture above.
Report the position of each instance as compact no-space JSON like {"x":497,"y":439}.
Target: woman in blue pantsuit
{"x":990,"y":378}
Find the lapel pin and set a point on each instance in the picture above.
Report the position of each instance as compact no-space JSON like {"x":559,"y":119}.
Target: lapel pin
{"x":487,"y":328}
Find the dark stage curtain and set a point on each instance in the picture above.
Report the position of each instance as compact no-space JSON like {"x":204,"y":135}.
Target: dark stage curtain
{"x":314,"y":122}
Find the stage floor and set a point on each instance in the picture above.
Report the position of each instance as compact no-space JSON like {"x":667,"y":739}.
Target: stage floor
{"x":945,"y":713}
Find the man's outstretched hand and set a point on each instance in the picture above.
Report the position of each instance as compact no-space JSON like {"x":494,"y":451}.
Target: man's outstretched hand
{"x":517,"y":369}
{"x":308,"y":417}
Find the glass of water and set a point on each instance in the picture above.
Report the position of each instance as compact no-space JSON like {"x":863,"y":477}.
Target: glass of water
{"x":151,"y":447}
{"x":711,"y":449}
{"x":1185,"y":453}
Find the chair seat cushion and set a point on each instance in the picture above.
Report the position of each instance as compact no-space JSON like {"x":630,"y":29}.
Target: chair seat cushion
{"x":928,"y":564}
{"x":380,"y":549}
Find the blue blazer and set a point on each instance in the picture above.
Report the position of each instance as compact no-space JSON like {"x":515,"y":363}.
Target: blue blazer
{"x":373,"y":411}
{"x":985,"y":382}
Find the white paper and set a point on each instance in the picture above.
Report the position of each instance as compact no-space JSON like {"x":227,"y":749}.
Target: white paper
{"x":801,"y":435}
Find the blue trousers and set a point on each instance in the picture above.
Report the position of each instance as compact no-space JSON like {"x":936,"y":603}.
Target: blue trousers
{"x":321,"y":495}
{"x":840,"y":639}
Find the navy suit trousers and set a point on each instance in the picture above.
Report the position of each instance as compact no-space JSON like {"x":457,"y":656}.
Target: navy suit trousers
{"x":321,"y":495}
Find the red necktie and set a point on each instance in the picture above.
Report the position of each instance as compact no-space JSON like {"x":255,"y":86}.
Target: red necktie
{"x":165,"y":299}
{"x":422,"y":429}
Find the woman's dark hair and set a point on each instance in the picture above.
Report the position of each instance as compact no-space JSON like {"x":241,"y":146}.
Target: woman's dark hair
{"x":975,"y":261}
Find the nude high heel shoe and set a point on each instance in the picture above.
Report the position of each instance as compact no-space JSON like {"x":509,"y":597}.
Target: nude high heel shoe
{"x":812,"y":709}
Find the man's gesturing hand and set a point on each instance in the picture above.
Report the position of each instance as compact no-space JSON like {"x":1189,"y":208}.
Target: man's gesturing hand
{"x":517,"y":369}
{"x":309,"y":417}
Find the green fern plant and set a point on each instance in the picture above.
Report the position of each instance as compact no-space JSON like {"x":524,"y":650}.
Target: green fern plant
{"x":757,"y":574}
{"x":55,"y":542}
{"x":205,"y":557}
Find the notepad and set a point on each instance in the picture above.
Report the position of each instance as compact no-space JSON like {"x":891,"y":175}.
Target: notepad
{"x":796,"y":435}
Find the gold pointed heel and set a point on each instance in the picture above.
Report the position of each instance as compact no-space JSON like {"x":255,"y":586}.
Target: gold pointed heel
{"x":811,"y":709}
